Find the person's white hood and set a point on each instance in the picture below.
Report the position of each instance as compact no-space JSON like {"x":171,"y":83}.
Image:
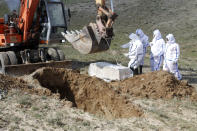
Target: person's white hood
{"x":133,"y":37}
{"x":170,"y":39}
{"x":140,"y":33}
{"x":157,"y":35}
{"x":158,"y":44}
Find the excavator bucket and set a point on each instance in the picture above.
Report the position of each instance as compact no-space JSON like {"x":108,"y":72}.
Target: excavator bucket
{"x":88,"y":40}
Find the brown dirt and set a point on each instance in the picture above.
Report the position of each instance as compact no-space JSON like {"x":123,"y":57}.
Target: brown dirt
{"x":90,"y":94}
{"x":7,"y":82}
{"x":98,"y":97}
{"x":155,"y":85}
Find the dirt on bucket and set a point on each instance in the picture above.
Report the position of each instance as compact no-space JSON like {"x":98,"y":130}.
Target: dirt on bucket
{"x":90,"y":94}
{"x":159,"y":84}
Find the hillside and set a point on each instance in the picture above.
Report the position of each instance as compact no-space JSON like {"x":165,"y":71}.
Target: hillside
{"x":70,"y":100}
{"x":3,"y":7}
{"x":170,"y":16}
{"x":177,"y":17}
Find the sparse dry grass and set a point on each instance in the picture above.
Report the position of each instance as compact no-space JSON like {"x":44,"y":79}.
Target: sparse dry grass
{"x":20,"y":111}
{"x":52,"y":114}
{"x":173,"y":114}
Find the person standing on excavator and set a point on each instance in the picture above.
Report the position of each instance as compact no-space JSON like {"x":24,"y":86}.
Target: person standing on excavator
{"x":144,"y":39}
{"x":135,"y":53}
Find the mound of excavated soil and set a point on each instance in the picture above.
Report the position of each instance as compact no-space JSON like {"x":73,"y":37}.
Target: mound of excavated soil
{"x":98,"y":97}
{"x":158,"y":84}
{"x":7,"y":82}
{"x":90,"y":94}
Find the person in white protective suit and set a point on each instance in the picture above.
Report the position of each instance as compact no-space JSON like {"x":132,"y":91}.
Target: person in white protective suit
{"x":135,"y":53}
{"x":164,"y":61}
{"x":172,"y":53}
{"x":144,"y":39}
{"x":157,"y":51}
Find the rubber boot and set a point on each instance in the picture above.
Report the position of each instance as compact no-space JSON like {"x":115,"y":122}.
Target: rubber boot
{"x":141,"y":69}
{"x":132,"y":70}
{"x":136,"y":71}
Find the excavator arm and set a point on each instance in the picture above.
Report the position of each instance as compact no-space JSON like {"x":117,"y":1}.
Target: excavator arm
{"x":28,"y":9}
{"x":105,"y":18}
{"x":96,"y":37}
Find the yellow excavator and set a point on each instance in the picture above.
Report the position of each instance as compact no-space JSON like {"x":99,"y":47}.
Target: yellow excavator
{"x":96,"y":37}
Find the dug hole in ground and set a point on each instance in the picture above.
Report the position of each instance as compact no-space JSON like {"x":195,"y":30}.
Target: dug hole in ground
{"x":93,"y":95}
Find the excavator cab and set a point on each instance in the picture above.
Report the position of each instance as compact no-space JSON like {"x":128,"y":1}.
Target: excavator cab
{"x":96,"y":37}
{"x":52,"y":18}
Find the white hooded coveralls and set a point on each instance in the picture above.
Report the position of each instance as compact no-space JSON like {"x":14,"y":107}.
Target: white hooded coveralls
{"x":172,"y":53}
{"x":135,"y":51}
{"x":144,"y":39}
{"x":157,"y":51}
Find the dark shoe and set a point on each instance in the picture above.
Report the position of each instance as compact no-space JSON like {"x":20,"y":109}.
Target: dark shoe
{"x":141,"y":69}
{"x":136,"y":71}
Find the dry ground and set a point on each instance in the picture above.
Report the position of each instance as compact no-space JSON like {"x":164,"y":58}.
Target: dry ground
{"x":41,"y":105}
{"x":26,"y":111}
